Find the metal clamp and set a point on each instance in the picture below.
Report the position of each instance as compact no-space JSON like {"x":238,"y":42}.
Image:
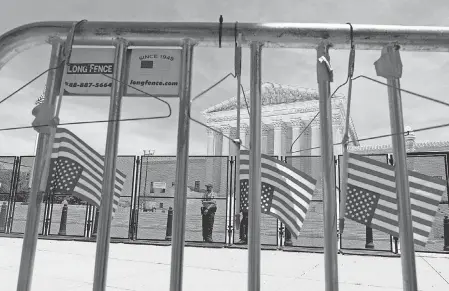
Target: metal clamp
{"x":324,"y":73}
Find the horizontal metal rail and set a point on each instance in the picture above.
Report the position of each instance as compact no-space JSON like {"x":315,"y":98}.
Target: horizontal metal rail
{"x":287,"y":35}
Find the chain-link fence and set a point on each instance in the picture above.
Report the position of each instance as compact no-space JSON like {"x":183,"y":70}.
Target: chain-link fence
{"x":434,"y":165}
{"x":157,"y":189}
{"x":21,"y":197}
{"x":149,"y":196}
{"x":121,"y":221}
{"x":7,"y":168}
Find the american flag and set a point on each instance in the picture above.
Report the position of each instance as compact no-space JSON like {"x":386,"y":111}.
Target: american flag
{"x":76,"y":169}
{"x":41,"y":98}
{"x":372,"y":199}
{"x":286,"y":191}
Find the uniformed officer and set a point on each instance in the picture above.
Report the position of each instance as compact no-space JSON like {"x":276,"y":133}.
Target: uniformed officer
{"x":208,"y":213}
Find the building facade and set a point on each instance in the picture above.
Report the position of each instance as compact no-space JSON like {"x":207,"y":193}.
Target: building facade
{"x":286,"y":112}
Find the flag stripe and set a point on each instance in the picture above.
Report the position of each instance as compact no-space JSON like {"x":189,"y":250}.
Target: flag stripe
{"x":269,"y":179}
{"x":384,"y":227}
{"x":62,"y":133}
{"x":282,"y":217}
{"x":291,"y":189}
{"x":389,"y":191}
{"x":84,"y":162}
{"x":416,"y":214}
{"x":392,"y":219}
{"x":291,"y":171}
{"x":77,"y":158}
{"x":296,"y":199}
{"x":284,"y":208}
{"x":286,"y":181}
{"x":395,"y":227}
{"x":377,"y":177}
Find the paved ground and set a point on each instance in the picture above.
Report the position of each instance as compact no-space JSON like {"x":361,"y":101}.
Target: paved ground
{"x":68,"y":266}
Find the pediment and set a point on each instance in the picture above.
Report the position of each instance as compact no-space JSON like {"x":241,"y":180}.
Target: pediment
{"x":272,"y":94}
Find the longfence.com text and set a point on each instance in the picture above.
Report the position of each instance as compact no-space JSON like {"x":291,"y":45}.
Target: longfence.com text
{"x":152,"y":83}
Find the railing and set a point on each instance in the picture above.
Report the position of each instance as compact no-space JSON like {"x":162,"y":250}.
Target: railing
{"x":143,"y":211}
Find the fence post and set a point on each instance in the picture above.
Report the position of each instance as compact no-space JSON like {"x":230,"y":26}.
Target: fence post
{"x":446,"y":233}
{"x":3,"y":217}
{"x":232,"y":188}
{"x":169,"y":224}
{"x":63,"y":223}
{"x":94,"y":231}
{"x":369,"y":238}
{"x":134,"y":224}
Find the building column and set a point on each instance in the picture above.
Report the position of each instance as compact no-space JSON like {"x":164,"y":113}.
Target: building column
{"x":338,"y":132}
{"x":306,"y":144}
{"x":265,"y":130}
{"x":316,"y":152}
{"x":243,"y":131}
{"x":218,"y":140}
{"x":297,"y":128}
{"x":280,"y":131}
{"x":232,"y":146}
{"x":410,"y":146}
{"x":316,"y":138}
{"x":210,"y":142}
{"x":226,"y":130}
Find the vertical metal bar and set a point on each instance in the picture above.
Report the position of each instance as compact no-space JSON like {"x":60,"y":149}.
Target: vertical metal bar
{"x":229,"y":197}
{"x":110,"y":164}
{"x":54,"y":80}
{"x":182,"y":159}
{"x":134,"y":192}
{"x":14,"y":197}
{"x":409,"y":279}
{"x":32,"y":168}
{"x":12,"y":194}
{"x":389,"y":66}
{"x":137,"y":201}
{"x":254,"y":169}
{"x":238,"y":73}
{"x":327,"y":160}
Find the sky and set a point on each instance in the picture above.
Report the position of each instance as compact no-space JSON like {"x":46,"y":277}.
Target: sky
{"x":423,"y":72}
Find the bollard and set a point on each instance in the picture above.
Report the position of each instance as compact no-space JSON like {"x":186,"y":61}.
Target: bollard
{"x":94,"y":231}
{"x":169,"y":224}
{"x":396,"y":245}
{"x":63,"y":224}
{"x":3,"y":217}
{"x":369,"y":238}
{"x":446,"y":233}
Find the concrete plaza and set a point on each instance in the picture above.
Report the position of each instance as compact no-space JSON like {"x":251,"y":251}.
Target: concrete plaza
{"x":68,"y":266}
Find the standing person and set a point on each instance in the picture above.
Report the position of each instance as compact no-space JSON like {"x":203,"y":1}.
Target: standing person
{"x":208,"y":213}
{"x":243,"y":235}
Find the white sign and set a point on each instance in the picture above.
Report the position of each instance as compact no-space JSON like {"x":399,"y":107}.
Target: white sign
{"x":85,"y":73}
{"x":159,"y":185}
{"x":154,"y":71}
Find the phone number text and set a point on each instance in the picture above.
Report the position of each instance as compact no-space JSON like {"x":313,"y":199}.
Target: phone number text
{"x":87,"y":85}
